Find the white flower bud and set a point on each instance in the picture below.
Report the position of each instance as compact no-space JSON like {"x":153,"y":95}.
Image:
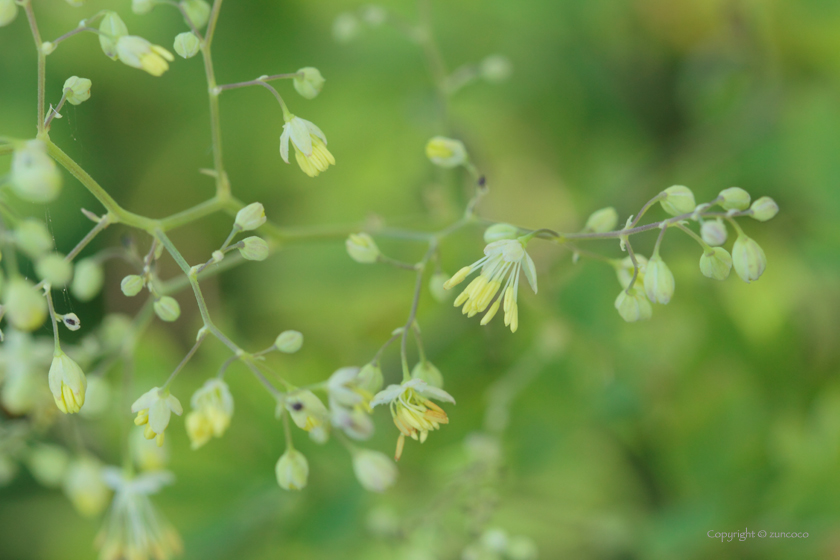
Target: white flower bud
{"x":748,"y":258}
{"x":713,"y":232}
{"x":446,"y":152}
{"x":310,"y":85}
{"x":602,"y":221}
{"x":254,"y":249}
{"x":112,"y":28}
{"x":186,"y":44}
{"x":678,"y":200}
{"x":496,"y":68}
{"x":250,"y":218}
{"x":77,"y":90}
{"x":659,"y":281}
{"x":8,"y":12}
{"x":375,"y":471}
{"x":26,"y":309}
{"x":52,"y":268}
{"x":48,"y":463}
{"x":67,"y":384}
{"x":292,"y":470}
{"x":87,"y":280}
{"x":34,"y":175}
{"x":167,"y":309}
{"x":370,"y":378}
{"x":141,"y":7}
{"x":306,"y":409}
{"x":428,"y":373}
{"x":633,"y":306}
{"x":716,"y":264}
{"x":289,"y":342}
{"x":764,"y":209}
{"x":132,"y":284}
{"x":345,"y":28}
{"x":734,"y":198}
{"x":85,"y":486}
{"x":198,"y":12}
{"x":624,"y":271}
{"x":499,"y":232}
{"x":33,"y":237}
{"x":436,"y":283}
{"x":362,"y":248}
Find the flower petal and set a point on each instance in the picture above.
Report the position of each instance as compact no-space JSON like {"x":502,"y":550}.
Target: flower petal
{"x":159,"y":414}
{"x":313,"y":128}
{"x":435,"y":393}
{"x":343,"y":376}
{"x":530,"y":272}
{"x":146,"y":400}
{"x":387,"y":395}
{"x":174,"y":405}
{"x":284,"y":143}
{"x":300,"y":136}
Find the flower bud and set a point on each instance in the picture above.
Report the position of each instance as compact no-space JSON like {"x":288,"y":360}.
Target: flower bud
{"x":186,"y":44}
{"x":678,"y":200}
{"x":85,"y":486}
{"x":67,"y":383}
{"x":289,"y":342}
{"x":306,"y":409}
{"x":250,"y":218}
{"x":48,"y":463}
{"x":8,"y":12}
{"x":624,"y":271}
{"x":71,"y":321}
{"x":713,"y":232}
{"x":292,"y":470}
{"x":734,"y":198}
{"x":141,"y":7}
{"x":375,"y":471}
{"x":716,"y":264}
{"x":436,"y":287}
{"x":659,"y":281}
{"x":33,"y":237}
{"x":496,"y":68}
{"x":362,"y":248}
{"x":764,"y":208}
{"x":112,"y":28}
{"x":446,"y":152}
{"x":370,"y":378}
{"x":47,"y":47}
{"x":26,"y":309}
{"x":197,"y":12}
{"x":499,"y":232}
{"x":77,"y":90}
{"x":34,"y":176}
{"x":88,"y":280}
{"x":310,"y":84}
{"x":748,"y":258}
{"x":52,"y":268}
{"x":633,"y":306}
{"x":602,"y":221}
{"x":428,"y":373}
{"x":345,"y":28}
{"x":132,"y":284}
{"x":254,"y":249}
{"x":167,"y":309}
{"x":137,"y":52}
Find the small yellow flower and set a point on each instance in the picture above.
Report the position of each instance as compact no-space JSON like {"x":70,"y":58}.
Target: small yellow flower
{"x":503,"y":261}
{"x":154,"y":409}
{"x":139,"y":53}
{"x":413,"y":413}
{"x":67,"y":383}
{"x":310,"y":146}
{"x":212,"y":410}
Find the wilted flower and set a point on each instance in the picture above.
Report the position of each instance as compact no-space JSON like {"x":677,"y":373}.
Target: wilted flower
{"x":67,"y":383}
{"x":134,"y":529}
{"x":502,"y":262}
{"x":374,"y":470}
{"x":212,"y":411}
{"x":310,"y":145}
{"x":154,"y":408}
{"x":414,"y":414}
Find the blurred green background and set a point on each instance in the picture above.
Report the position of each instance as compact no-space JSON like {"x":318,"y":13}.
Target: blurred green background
{"x":633,"y":440}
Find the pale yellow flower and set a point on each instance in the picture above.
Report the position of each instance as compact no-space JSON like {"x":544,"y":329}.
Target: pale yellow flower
{"x":154,"y":408}
{"x":310,"y":146}
{"x":139,"y":53}
{"x":212,"y":410}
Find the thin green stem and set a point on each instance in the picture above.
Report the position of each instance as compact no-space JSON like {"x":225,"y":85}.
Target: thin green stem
{"x":287,"y":430}
{"x":42,"y":63}
{"x":201,"y":336}
{"x":646,"y":207}
{"x":54,"y":110}
{"x":51,"y":307}
{"x":706,"y":247}
{"x":103,"y":222}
